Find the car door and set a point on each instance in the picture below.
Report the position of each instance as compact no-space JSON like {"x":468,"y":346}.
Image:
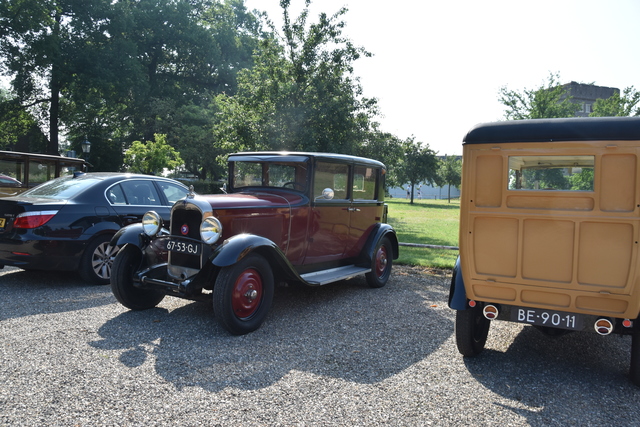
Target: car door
{"x":365,"y":210}
{"x":132,"y":198}
{"x":329,"y":221}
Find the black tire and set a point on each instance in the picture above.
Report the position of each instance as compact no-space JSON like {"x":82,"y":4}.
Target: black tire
{"x":97,"y":260}
{"x":243,"y":294}
{"x":471,"y":329}
{"x":634,"y":370}
{"x":126,"y":264}
{"x":381,"y":264}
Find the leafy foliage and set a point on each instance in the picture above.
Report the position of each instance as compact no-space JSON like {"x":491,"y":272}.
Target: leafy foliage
{"x":618,"y":105}
{"x":151,"y":157}
{"x":450,"y":173}
{"x":548,"y":101}
{"x":419,"y":164}
{"x":300,"y":94}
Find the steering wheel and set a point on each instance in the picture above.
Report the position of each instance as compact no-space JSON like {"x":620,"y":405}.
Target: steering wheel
{"x":293,"y":185}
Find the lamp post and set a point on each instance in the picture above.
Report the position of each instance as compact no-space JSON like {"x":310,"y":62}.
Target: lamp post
{"x":86,"y":150}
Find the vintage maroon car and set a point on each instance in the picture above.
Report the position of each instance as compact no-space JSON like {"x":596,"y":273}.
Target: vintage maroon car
{"x":287,"y":217}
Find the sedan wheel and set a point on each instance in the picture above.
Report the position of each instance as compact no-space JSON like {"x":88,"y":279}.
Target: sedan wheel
{"x":97,"y":260}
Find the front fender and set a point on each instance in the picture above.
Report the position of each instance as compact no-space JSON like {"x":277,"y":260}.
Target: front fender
{"x":237,"y":247}
{"x":131,"y":234}
{"x":457,"y":294}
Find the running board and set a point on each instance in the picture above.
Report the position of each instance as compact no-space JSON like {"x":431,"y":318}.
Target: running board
{"x":324,"y":277}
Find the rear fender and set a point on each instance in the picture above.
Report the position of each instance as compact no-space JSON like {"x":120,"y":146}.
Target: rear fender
{"x":381,"y":230}
{"x":457,"y":294}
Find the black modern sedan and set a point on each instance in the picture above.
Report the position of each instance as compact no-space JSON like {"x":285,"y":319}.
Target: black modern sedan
{"x":66,"y":224}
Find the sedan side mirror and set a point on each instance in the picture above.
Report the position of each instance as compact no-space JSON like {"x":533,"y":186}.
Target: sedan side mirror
{"x":327,"y":194}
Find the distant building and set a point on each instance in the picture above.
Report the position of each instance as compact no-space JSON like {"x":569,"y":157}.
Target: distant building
{"x":586,"y":95}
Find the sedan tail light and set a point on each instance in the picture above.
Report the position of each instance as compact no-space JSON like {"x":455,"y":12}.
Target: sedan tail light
{"x":33,"y":219}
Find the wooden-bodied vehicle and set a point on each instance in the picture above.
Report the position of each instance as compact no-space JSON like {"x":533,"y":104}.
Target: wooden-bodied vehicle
{"x":21,"y":171}
{"x":549,"y":229}
{"x":309,"y":218}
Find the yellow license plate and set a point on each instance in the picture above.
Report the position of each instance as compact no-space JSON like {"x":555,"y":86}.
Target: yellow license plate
{"x":2,"y":220}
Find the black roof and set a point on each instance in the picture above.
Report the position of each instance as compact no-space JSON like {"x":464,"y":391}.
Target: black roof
{"x":298,"y":156}
{"x":547,"y":130}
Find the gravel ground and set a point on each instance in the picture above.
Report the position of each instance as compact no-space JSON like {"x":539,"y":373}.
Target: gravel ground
{"x":342,"y":354}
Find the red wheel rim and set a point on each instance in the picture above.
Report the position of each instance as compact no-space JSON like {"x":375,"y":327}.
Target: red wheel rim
{"x":247,"y":293}
{"x":381,"y":261}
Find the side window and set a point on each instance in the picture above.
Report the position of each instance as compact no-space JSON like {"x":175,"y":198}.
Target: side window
{"x":140,"y":193}
{"x":116,"y":196}
{"x":364,"y":183}
{"x":331,"y":175}
{"x":172,"y":191}
{"x":41,"y":171}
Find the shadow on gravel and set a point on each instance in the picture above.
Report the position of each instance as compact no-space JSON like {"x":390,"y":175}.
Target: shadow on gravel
{"x":578,"y":374}
{"x":345,"y":330}
{"x":26,"y":293}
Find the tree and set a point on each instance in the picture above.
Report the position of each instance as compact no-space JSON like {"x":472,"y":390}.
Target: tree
{"x":301,"y":94}
{"x":618,"y":105}
{"x":388,"y":149}
{"x":548,"y":101}
{"x":18,"y":129}
{"x":43,"y":44}
{"x":450,"y":173}
{"x":419,"y":164}
{"x":151,"y":157}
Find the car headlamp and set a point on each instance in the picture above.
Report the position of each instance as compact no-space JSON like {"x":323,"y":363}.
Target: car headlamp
{"x":151,"y":223}
{"x":210,"y":230}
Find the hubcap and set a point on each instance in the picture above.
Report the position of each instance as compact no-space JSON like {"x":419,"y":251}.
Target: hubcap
{"x":102,"y":260}
{"x":381,"y":261}
{"x":247,"y":293}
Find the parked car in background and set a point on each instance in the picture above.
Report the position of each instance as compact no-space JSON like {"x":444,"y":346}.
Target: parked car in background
{"x":7,"y":181}
{"x":67,"y":223}
{"x":309,"y":218}
{"x":21,"y":171}
{"x":549,"y":230}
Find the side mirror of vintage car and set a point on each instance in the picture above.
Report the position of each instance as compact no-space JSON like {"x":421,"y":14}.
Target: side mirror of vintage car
{"x":327,"y":194}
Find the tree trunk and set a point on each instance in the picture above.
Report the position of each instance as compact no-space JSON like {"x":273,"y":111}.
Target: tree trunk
{"x":54,"y":87}
{"x":54,"y":112}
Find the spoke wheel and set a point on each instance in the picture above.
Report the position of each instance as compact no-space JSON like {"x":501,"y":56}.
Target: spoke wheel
{"x":381,"y":264}
{"x":243,"y":293}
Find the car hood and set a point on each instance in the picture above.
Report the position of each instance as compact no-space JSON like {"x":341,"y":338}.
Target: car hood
{"x":253,"y":200}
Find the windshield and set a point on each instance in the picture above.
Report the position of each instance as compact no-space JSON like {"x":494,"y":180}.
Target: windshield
{"x":269,"y":174}
{"x":61,"y":188}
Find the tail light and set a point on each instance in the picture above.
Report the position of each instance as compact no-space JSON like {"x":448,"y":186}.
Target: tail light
{"x":603,"y":326}
{"x":490,"y":311}
{"x":33,"y":219}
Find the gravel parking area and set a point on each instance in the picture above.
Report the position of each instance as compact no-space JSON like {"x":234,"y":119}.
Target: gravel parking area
{"x":343,"y":354}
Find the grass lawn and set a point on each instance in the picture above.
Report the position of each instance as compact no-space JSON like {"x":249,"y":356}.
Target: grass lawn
{"x":431,"y":222}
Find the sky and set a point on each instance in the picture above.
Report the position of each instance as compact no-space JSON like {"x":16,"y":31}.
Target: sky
{"x":438,"y":66}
